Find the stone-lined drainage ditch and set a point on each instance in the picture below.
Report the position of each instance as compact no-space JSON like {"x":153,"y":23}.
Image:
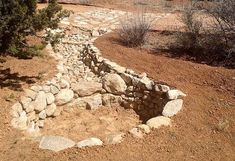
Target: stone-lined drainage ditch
{"x":87,"y":81}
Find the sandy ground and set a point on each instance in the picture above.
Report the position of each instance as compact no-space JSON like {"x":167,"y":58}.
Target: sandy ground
{"x":79,"y":124}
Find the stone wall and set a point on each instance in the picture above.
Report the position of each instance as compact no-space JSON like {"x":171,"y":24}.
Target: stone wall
{"x":111,"y":85}
{"x":87,"y":80}
{"x":137,"y":91}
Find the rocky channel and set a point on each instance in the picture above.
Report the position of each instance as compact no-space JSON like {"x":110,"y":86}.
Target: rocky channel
{"x":87,"y":80}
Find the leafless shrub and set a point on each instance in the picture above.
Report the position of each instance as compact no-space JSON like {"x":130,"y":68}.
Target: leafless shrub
{"x":189,"y":39}
{"x":133,"y":29}
{"x":167,"y":3}
{"x":224,"y":24}
{"x":223,"y":12}
{"x":85,"y":2}
{"x":214,"y":41}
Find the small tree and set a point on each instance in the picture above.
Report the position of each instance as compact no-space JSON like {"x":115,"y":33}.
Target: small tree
{"x":19,"y":18}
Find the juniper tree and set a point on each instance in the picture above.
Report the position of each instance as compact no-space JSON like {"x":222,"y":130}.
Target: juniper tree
{"x":20,"y":18}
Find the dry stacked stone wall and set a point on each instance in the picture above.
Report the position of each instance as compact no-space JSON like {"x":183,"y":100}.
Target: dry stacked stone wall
{"x":146,"y":96}
{"x":87,"y":80}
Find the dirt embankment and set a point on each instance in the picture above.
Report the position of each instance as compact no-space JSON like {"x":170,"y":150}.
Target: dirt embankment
{"x":204,"y":129}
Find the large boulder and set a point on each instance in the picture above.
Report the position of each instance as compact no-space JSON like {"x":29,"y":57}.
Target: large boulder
{"x":172,"y":107}
{"x":55,"y":143}
{"x":158,"y":121}
{"x":113,"y":83}
{"x":86,"y":88}
{"x":64,"y":96}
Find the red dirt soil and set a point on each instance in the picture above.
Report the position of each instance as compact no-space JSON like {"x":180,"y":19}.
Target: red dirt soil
{"x":16,"y":75}
{"x":131,"y":5}
{"x":126,"y":5}
{"x":204,"y":130}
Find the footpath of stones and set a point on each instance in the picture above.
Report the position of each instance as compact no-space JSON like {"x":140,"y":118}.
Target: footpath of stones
{"x":88,"y":81}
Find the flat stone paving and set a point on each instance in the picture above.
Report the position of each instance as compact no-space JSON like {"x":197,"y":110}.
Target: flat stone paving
{"x":55,"y":143}
{"x":105,"y":18}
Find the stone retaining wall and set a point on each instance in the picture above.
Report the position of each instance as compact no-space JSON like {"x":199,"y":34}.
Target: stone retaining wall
{"x":111,"y":84}
{"x":87,"y":80}
{"x":141,"y":93}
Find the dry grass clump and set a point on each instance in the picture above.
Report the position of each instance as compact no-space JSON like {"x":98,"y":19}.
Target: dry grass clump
{"x":133,"y":29}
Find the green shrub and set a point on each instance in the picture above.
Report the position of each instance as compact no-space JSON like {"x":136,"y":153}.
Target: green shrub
{"x":53,"y":37}
{"x":19,"y":18}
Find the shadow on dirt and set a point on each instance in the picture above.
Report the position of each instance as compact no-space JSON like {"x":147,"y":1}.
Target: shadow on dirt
{"x":13,"y":81}
{"x":213,"y":55}
{"x":164,"y":43}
